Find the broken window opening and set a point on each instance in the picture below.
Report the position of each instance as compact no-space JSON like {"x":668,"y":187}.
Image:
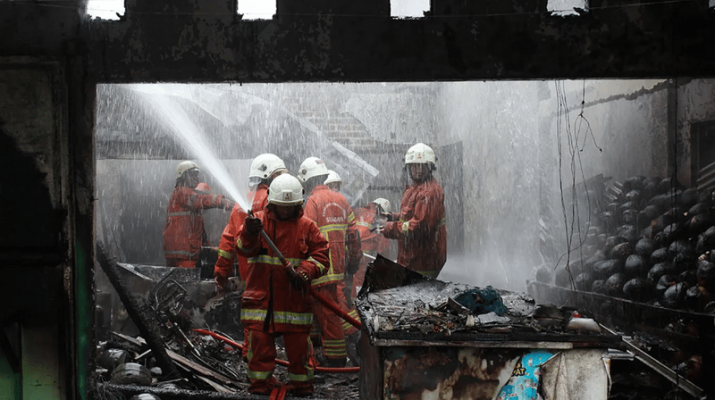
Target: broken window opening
{"x":105,"y":9}
{"x":256,"y":9}
{"x":563,"y":8}
{"x":409,"y":8}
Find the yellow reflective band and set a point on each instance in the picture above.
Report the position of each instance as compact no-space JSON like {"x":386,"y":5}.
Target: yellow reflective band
{"x":442,"y":222}
{"x":259,"y":375}
{"x":301,"y":378}
{"x":333,"y":227}
{"x":285,"y":317}
{"x":328,"y":278}
{"x":266,"y":259}
{"x":226,"y":254}
{"x":361,"y":223}
{"x":405,"y":227}
{"x":354,"y":314}
{"x":279,"y":317}
{"x":321,"y":267}
{"x":351,"y":217}
{"x":253,"y":314}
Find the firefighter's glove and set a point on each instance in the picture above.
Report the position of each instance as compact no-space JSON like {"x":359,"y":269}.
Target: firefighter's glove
{"x":298,"y":279}
{"x":353,"y":266}
{"x":253,"y":225}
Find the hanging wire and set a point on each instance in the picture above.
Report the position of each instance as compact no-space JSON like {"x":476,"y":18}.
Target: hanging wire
{"x":576,"y":168}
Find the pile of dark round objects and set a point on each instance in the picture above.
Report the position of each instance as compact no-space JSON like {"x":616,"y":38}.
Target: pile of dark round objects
{"x":654,"y":242}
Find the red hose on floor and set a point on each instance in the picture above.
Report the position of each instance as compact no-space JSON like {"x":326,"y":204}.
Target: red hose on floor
{"x":279,"y":362}
{"x":342,"y":314}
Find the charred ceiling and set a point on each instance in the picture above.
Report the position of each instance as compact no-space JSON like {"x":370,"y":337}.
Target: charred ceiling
{"x":207,"y":41}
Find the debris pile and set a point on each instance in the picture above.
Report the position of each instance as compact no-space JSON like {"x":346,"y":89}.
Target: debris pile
{"x":437,"y":309}
{"x":173,"y":359}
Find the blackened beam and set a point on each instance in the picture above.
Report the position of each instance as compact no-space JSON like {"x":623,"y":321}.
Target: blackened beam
{"x":142,"y":317}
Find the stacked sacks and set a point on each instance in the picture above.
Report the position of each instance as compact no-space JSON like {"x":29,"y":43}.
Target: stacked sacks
{"x":653,"y":243}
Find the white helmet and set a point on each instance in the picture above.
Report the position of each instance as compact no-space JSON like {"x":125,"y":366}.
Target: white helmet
{"x":333,"y":177}
{"x":265,"y":165}
{"x":383,"y":203}
{"x":420,"y":154}
{"x":285,"y":190}
{"x":312,"y":166}
{"x":185,"y":166}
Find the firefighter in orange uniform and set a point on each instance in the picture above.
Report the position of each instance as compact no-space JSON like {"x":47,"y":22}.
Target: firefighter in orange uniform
{"x":182,"y":235}
{"x":276,"y":301}
{"x":371,"y":242}
{"x":264,"y":168}
{"x":420,"y":227}
{"x":333,"y":215}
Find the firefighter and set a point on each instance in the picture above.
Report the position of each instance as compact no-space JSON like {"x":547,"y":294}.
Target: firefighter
{"x":182,"y":235}
{"x":420,"y":227}
{"x":276,"y":301}
{"x":333,"y":181}
{"x":264,"y":168}
{"x":203,"y":188}
{"x":333,"y":215}
{"x":372,"y":243}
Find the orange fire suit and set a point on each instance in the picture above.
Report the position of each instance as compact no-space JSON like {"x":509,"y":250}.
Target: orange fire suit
{"x":272,"y":306}
{"x":371,"y":242}
{"x":227,"y":246}
{"x":421,"y":231}
{"x":185,"y":225}
{"x":333,"y":215}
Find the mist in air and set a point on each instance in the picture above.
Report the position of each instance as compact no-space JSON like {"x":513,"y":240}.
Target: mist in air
{"x":508,"y":154}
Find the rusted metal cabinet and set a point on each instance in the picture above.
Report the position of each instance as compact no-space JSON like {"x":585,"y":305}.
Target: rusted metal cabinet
{"x":414,"y":345}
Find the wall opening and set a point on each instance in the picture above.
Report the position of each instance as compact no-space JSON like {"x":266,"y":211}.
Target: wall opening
{"x":105,"y":9}
{"x":564,"y":8}
{"x":409,"y":8}
{"x":257,"y":9}
{"x":508,"y":188}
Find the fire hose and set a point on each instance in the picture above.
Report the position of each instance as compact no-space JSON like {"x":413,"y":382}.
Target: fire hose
{"x":327,"y":303}
{"x":279,"y":362}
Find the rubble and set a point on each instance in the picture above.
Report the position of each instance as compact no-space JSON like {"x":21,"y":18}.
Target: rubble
{"x":197,"y":364}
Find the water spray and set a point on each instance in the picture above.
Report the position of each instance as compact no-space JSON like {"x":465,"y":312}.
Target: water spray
{"x":193,"y":140}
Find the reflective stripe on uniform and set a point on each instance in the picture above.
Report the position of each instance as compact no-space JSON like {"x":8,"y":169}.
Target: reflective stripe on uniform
{"x":302,"y":377}
{"x":405,"y":226}
{"x":353,"y":313}
{"x":321,"y":267}
{"x":259,"y":375}
{"x":361,"y":223}
{"x":279,"y":317}
{"x":335,"y":348}
{"x":330,"y":277}
{"x":266,"y":259}
{"x":333,"y":228}
{"x":226,"y":254}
